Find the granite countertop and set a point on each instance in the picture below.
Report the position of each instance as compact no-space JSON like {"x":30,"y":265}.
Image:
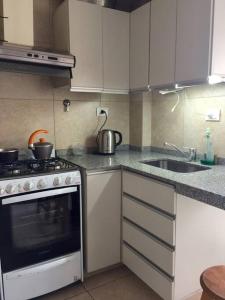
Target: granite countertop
{"x":207,"y":186}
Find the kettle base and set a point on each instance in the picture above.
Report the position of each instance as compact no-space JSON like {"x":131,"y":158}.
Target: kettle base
{"x":103,"y":153}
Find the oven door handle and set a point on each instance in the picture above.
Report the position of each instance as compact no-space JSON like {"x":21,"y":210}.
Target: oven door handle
{"x":38,"y":195}
{"x":43,"y":267}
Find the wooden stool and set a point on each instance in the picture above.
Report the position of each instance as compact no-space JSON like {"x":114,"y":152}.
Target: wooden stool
{"x":213,"y":283}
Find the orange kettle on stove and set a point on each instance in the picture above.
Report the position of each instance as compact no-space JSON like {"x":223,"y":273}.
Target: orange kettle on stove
{"x":42,"y":150}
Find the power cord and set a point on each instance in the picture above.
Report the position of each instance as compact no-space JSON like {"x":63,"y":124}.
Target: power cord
{"x":106,"y":118}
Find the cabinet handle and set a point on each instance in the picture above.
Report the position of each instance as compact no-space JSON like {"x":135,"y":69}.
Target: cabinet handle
{"x":3,"y":41}
{"x":1,"y":17}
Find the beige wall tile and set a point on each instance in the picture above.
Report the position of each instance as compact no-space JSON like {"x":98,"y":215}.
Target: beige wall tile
{"x":20,"y":118}
{"x":187,"y":125}
{"x":64,"y":92}
{"x":43,"y":24}
{"x":195,"y":124}
{"x":118,"y":118}
{"x":30,"y":99}
{"x":147,"y":119}
{"x":114,"y":98}
{"x":24,"y":86}
{"x":205,"y":91}
{"x":136,"y":110}
{"x":77,"y":127}
{"x":167,"y":125}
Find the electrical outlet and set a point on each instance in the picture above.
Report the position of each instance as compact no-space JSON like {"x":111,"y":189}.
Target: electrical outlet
{"x":213,"y":115}
{"x":99,"y":109}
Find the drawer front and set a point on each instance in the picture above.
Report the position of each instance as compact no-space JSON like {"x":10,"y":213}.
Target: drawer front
{"x":150,"y":220}
{"x":157,"y":253}
{"x":150,"y":191}
{"x":153,"y":278}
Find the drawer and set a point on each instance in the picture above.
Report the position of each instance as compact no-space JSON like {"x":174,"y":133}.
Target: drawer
{"x":154,"y":222}
{"x":150,"y":191}
{"x":145,"y":271}
{"x":152,"y":249}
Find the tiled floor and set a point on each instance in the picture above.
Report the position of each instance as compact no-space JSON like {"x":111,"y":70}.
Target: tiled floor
{"x":116,"y":284}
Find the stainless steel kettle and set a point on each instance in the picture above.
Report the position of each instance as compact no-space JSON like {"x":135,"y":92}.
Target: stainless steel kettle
{"x":106,"y":140}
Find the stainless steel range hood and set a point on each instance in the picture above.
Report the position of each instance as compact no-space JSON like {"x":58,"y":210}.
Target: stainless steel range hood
{"x":30,"y":60}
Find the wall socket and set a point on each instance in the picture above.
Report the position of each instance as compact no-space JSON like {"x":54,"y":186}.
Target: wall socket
{"x":99,"y":109}
{"x":213,"y":115}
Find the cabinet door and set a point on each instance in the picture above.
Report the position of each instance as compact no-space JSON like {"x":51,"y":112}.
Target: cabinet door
{"x":162,"y":42}
{"x":200,"y":243}
{"x":116,"y":50}
{"x":194,"y":24}
{"x":218,"y":59}
{"x":139,"y":47}
{"x":18,"y":22}
{"x":103,"y":220}
{"x":85,"y":23}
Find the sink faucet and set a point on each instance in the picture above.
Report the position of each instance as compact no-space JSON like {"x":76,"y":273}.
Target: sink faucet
{"x":192,"y":152}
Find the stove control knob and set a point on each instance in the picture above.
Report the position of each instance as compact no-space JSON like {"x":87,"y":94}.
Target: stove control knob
{"x":41,"y":184}
{"x":2,"y":191}
{"x":28,"y":186}
{"x":10,"y":189}
{"x":57,"y":181}
{"x":69,"y":180}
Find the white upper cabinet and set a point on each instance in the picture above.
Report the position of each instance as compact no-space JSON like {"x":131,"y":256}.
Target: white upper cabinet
{"x":85,"y":28}
{"x":200,"y":41}
{"x":194,"y":24}
{"x":162,"y":42}
{"x":82,"y":36}
{"x":152,"y":45}
{"x":116,"y":50}
{"x":99,"y":39}
{"x":218,"y":46}
{"x":16,"y":22}
{"x":139,"y":47}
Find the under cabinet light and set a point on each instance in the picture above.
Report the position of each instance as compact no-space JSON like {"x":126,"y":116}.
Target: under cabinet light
{"x":171,"y":91}
{"x":215,"y":79}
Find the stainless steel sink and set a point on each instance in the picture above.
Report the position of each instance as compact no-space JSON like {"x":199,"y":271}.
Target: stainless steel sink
{"x":175,"y":165}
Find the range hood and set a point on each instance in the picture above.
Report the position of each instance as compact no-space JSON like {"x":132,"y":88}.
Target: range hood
{"x":17,"y":58}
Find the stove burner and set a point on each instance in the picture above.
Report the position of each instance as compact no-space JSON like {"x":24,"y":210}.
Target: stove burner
{"x":30,"y":167}
{"x":16,"y":171}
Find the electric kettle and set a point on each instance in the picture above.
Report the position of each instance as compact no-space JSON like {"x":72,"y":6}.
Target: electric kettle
{"x":106,"y":140}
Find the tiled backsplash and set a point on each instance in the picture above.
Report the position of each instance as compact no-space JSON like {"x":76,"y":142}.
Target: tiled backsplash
{"x":29,"y":102}
{"x":140,"y":120}
{"x":186,"y":125}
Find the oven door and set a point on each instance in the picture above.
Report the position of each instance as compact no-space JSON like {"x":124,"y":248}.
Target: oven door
{"x":39,"y":226}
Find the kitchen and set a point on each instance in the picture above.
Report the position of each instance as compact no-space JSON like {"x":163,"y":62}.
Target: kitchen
{"x":145,"y":222}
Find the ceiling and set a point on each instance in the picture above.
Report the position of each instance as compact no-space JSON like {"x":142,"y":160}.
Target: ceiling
{"x":124,"y":5}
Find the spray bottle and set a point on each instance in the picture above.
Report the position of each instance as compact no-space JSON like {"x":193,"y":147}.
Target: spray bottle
{"x":209,"y":155}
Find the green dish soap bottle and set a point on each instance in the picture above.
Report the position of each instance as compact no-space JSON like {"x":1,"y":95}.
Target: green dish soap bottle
{"x":209,"y":155}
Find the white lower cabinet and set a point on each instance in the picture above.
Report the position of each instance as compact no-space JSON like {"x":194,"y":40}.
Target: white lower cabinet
{"x":150,"y":219}
{"x":154,"y":250}
{"x":148,"y":273}
{"x":200,"y":243}
{"x":169,"y":243}
{"x":148,"y":249}
{"x":102,"y":220}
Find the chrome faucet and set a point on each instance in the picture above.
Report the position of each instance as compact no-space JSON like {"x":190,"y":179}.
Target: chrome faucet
{"x":192,"y":152}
